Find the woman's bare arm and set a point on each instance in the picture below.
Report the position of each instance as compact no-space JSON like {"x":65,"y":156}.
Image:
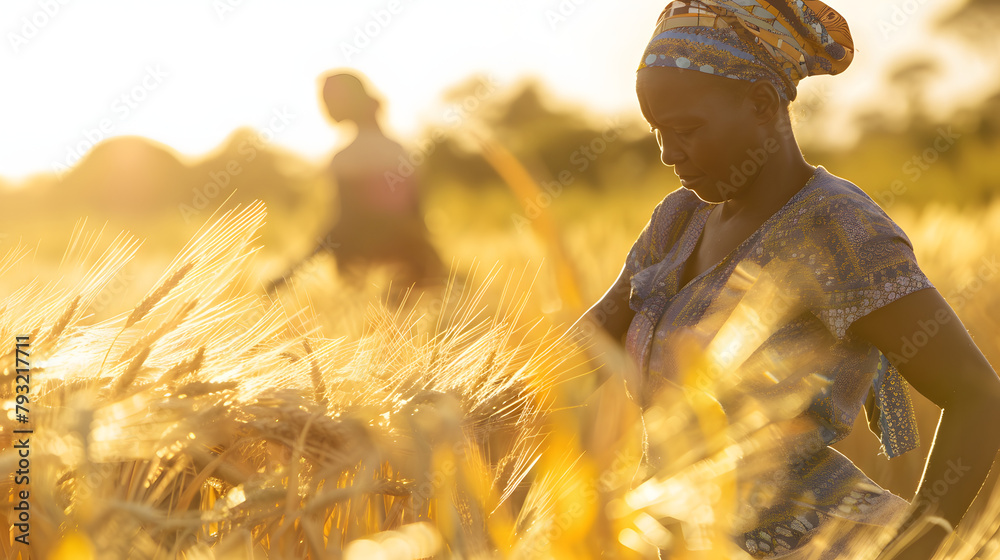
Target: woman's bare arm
{"x":926,"y":341}
{"x":609,"y":318}
{"x":611,"y":313}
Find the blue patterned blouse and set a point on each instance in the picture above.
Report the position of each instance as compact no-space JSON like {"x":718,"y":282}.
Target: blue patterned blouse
{"x":774,"y":315}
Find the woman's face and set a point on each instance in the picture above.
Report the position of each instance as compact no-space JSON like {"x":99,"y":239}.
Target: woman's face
{"x":707,"y":130}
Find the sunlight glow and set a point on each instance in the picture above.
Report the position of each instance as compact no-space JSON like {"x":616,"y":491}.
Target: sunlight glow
{"x":188,"y":73}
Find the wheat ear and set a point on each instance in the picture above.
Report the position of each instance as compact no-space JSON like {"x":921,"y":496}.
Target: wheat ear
{"x":146,"y":305}
{"x":167,"y":326}
{"x":126,"y":378}
{"x":183,"y":368}
{"x":150,"y":301}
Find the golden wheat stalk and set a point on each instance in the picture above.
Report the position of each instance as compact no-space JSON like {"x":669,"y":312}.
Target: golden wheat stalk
{"x":64,"y":320}
{"x":483,"y":438}
{"x":125,"y":380}
{"x":170,"y":324}
{"x":154,"y":297}
{"x":183,"y":368}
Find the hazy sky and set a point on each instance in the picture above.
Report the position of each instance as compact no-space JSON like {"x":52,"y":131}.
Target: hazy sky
{"x":188,"y":72}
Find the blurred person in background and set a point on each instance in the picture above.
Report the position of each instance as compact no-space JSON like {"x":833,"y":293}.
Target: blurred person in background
{"x":848,"y":301}
{"x":380,"y":219}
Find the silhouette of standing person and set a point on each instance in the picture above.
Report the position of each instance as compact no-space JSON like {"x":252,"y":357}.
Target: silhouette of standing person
{"x":380,"y":219}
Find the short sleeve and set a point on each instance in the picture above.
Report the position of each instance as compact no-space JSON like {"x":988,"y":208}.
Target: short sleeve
{"x":661,"y":232}
{"x":647,"y":248}
{"x":862,"y":261}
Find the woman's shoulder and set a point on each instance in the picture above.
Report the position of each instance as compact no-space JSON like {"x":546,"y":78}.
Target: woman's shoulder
{"x":680,"y":203}
{"x":665,"y":226}
{"x":671,"y":216}
{"x":837,"y":203}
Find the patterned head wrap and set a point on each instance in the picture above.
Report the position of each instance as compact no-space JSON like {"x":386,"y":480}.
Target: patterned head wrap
{"x":781,"y":41}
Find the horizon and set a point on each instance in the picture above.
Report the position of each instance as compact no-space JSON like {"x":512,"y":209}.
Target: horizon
{"x":170,"y":92}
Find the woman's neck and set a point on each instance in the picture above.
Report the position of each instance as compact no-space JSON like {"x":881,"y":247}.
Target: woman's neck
{"x":778,"y":180}
{"x":369,"y":126}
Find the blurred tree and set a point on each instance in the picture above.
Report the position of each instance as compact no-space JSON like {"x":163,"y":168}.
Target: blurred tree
{"x":555,"y":140}
{"x":906,"y":161}
{"x":910,"y":79}
{"x":975,"y":22}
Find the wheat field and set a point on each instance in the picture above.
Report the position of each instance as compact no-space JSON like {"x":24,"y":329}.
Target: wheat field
{"x":208,"y":420}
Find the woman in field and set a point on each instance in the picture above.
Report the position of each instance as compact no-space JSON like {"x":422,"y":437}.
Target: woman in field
{"x":850,"y":302}
{"x":380,"y":218}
